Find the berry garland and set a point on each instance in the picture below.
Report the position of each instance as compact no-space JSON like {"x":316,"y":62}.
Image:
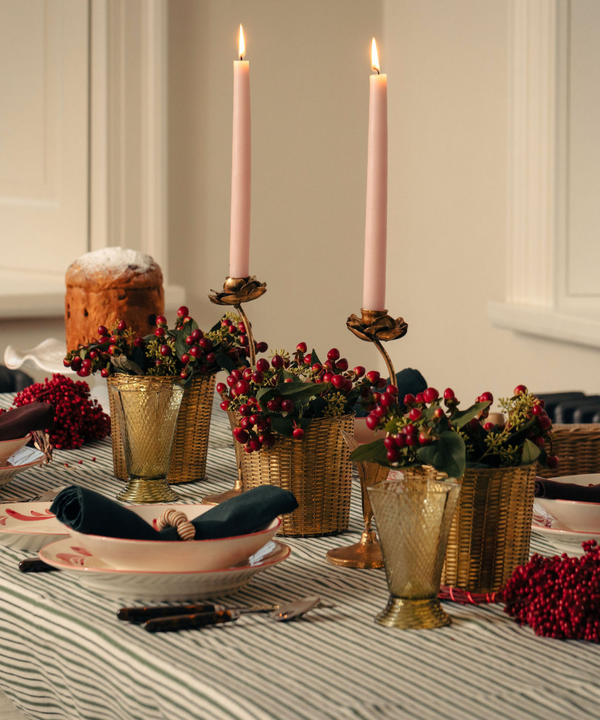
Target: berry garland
{"x":77,"y":418}
{"x":559,"y":597}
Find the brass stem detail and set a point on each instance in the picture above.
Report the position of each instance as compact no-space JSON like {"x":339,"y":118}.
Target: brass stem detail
{"x":251,"y":347}
{"x":388,"y":362}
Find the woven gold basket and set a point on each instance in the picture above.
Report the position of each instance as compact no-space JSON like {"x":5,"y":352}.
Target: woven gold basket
{"x":491,"y":528}
{"x":190,"y":446}
{"x":316,"y":469}
{"x":578,"y":449}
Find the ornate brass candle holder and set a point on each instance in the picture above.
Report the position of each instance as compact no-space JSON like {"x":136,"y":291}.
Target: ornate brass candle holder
{"x":366,"y":553}
{"x":377,"y":326}
{"x":236,"y":292}
{"x":374,"y":326}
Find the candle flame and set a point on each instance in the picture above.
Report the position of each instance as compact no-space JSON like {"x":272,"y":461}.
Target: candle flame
{"x":242,"y":44}
{"x":374,"y":57}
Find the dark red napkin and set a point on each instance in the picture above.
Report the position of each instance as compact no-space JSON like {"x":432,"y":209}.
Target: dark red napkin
{"x":553,"y":490}
{"x":20,"y":421}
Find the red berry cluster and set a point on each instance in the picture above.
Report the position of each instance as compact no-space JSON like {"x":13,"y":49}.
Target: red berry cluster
{"x":184,"y":350}
{"x":276,"y":397}
{"x":558,"y":597}
{"x":77,"y":418}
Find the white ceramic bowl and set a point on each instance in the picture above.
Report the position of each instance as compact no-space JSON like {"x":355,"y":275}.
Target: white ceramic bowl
{"x":158,"y":555}
{"x":8,"y":447}
{"x":572,"y":515}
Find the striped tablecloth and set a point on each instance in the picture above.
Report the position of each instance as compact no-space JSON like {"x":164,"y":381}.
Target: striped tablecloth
{"x":63,"y":654}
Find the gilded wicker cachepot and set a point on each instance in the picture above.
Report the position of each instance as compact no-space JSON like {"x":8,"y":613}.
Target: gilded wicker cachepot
{"x":316,"y":469}
{"x":491,"y":528}
{"x":190,"y":446}
{"x":578,"y":450}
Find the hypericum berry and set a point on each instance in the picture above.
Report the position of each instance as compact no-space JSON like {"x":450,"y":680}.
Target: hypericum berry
{"x":317,"y":367}
{"x":287,"y":405}
{"x":237,"y":374}
{"x":114,"y":339}
{"x":373,"y":376}
{"x":552,"y":462}
{"x":67,"y":362}
{"x":240,"y":435}
{"x":520,"y":390}
{"x":258,"y":377}
{"x":184,"y":375}
{"x":359,"y":371}
{"x":245,"y":423}
{"x":224,"y":405}
{"x":298,"y":433}
{"x":338,"y":382}
{"x":242,"y":387}
{"x":194,"y":351}
{"x":267,"y":439}
{"x":262,"y":365}
{"x":196,"y":335}
{"x":206,"y":343}
{"x":243,"y":340}
{"x":431,"y":395}
{"x":159,"y":332}
{"x":160,"y":321}
{"x":261,"y":347}
{"x":112,"y":349}
{"x":104,"y":373}
{"x":400,"y":440}
{"x":231,"y":380}
{"x":242,"y":328}
{"x":389,"y":442}
{"x":425,"y":439}
{"x":102,"y":331}
{"x":489,"y":426}
{"x":438,"y":413}
{"x":183,"y":312}
{"x":247,"y":374}
{"x":420,"y":398}
{"x":189,"y":340}
{"x":165,"y":350}
{"x":211,"y":358}
{"x":415,"y":414}
{"x":393,"y":455}
{"x":387,"y":399}
{"x":411,"y":440}
{"x":392,"y":390}
{"x":301,"y":347}
{"x":221,"y":387}
{"x":545,"y":422}
{"x":255,"y":444}
{"x":537,"y":410}
{"x":372,"y":421}
{"x":245,"y":409}
{"x":87,"y":364}
{"x":139,"y":342}
{"x":449,"y":394}
{"x":409,"y":399}
{"x":333,"y":355}
{"x":277,"y":361}
{"x":342,"y":364}
{"x":273,"y":406}
{"x":486,"y":397}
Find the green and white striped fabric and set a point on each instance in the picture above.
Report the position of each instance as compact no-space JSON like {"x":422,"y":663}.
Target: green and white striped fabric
{"x":63,"y":654}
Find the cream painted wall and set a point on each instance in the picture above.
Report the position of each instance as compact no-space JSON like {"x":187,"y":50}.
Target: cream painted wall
{"x":447,"y":64}
{"x":310,"y":67}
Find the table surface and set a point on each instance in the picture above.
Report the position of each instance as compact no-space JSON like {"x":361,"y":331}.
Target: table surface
{"x":64,"y":654}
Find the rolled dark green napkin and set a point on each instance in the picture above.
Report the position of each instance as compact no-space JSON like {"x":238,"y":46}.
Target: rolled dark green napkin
{"x":554,"y":490}
{"x":20,"y":421}
{"x":409,"y":381}
{"x":89,"y":512}
{"x":240,"y":515}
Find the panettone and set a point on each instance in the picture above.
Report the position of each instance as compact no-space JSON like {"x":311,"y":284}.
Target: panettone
{"x":109,"y":285}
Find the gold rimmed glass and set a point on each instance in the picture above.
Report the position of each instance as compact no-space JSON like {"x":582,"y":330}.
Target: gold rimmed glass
{"x":413,"y":520}
{"x":148,"y":412}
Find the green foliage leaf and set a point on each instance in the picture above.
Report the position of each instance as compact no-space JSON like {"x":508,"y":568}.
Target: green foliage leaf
{"x":301,"y":392}
{"x":284,"y":425}
{"x":225,"y":362}
{"x":531,"y":452}
{"x":264,"y":395}
{"x":462,"y":417}
{"x":124,"y":365}
{"x":314,"y":358}
{"x":374,"y":451}
{"x":446,"y":454}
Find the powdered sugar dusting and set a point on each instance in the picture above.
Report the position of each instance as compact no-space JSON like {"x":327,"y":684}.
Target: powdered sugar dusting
{"x":115,"y":260}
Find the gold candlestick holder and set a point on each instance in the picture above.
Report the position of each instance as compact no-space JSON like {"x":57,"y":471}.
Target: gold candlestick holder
{"x":374,"y":326}
{"x":236,"y":292}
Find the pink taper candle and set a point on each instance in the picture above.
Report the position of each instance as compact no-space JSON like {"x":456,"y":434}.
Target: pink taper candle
{"x":377,"y":175}
{"x":241,"y":170}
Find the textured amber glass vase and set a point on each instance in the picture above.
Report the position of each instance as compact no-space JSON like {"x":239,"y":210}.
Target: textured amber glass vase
{"x":147,"y":413}
{"x":413,"y":520}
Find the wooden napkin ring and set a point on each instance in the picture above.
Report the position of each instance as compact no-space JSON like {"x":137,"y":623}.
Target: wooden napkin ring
{"x":177,"y":519}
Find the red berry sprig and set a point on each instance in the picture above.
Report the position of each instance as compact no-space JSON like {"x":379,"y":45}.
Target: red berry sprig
{"x":276,"y":398}
{"x":559,"y":597}
{"x":77,"y":418}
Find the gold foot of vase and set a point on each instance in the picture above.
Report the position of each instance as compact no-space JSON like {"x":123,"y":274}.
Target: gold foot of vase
{"x":405,"y":614}
{"x":365,"y":554}
{"x":217,"y":498}
{"x":142,"y":490}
